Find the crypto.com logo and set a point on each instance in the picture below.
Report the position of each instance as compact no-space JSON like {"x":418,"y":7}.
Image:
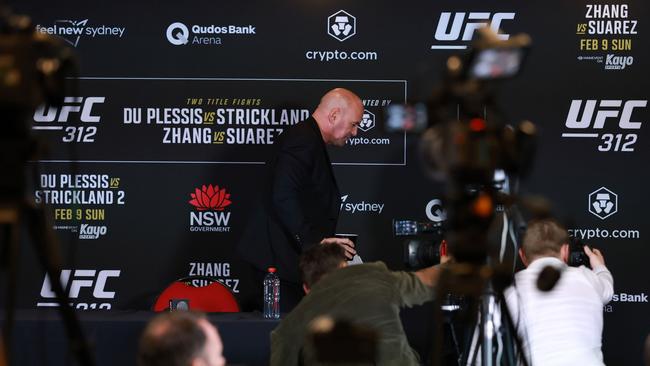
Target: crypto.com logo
{"x":178,"y":34}
{"x":435,"y":212}
{"x":367,"y":121}
{"x":603,"y":203}
{"x":341,"y":25}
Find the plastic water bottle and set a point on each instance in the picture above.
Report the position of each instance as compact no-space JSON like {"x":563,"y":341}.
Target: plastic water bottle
{"x":271,"y":295}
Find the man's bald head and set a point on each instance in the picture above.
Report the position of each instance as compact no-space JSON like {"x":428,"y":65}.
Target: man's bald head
{"x":338,"y":116}
{"x":180,"y":338}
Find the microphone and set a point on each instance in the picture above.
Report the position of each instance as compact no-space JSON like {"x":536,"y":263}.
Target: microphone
{"x":548,"y":278}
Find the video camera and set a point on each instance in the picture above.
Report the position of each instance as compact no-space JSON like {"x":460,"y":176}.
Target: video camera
{"x":465,"y":139}
{"x":422,"y":244}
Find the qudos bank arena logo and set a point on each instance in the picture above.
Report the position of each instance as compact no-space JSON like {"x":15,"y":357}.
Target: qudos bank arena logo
{"x":210,"y":203}
{"x":177,"y":34}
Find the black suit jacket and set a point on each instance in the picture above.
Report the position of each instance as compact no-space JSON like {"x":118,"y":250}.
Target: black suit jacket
{"x":300,"y":205}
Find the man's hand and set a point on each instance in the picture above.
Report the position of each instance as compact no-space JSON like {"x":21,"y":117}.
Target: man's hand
{"x":595,"y":257}
{"x":346,"y":243}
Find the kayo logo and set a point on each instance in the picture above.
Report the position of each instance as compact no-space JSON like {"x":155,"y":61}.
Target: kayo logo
{"x":210,"y":202}
{"x":463,"y":26}
{"x":91,"y":232}
{"x":178,"y":34}
{"x":73,"y":283}
{"x":341,"y":25}
{"x":603,"y":203}
{"x":613,"y":62}
{"x":363,"y":206}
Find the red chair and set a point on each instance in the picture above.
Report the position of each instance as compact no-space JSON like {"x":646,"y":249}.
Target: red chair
{"x":214,"y":297}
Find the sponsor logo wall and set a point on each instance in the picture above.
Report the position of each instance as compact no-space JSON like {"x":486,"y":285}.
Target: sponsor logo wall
{"x":154,"y":167}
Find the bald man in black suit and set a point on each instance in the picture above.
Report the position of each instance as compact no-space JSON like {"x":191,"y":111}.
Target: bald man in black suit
{"x":300,"y":206}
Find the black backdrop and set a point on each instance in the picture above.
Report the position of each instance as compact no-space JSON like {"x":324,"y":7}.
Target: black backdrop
{"x":160,"y":119}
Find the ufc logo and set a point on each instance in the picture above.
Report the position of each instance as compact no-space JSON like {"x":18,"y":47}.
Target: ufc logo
{"x":475,"y":20}
{"x":615,"y":109}
{"x":82,"y":278}
{"x":71,"y":105}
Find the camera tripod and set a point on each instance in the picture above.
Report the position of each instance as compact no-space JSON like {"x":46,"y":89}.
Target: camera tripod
{"x":13,"y":215}
{"x":18,"y":214}
{"x":492,"y":338}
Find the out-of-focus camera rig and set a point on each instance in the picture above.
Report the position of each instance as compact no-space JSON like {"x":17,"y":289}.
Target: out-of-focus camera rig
{"x":467,"y":143}
{"x":34,"y":69}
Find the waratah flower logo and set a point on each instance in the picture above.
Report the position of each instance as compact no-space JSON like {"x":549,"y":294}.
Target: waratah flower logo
{"x":210,"y":198}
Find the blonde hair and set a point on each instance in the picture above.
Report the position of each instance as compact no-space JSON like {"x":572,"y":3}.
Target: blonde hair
{"x":544,"y":238}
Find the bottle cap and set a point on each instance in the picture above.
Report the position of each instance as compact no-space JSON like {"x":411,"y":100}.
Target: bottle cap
{"x":272,"y":269}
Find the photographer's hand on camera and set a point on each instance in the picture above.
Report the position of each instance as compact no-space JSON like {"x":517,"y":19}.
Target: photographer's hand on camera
{"x":596,"y":258}
{"x":346,"y":243}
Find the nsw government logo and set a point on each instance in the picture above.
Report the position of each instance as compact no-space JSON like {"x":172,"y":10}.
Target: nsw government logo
{"x":210,"y":203}
{"x":603,"y":203}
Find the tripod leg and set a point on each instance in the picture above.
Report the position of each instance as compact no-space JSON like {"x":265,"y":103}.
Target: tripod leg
{"x":510,"y":326}
{"x":44,"y":245}
{"x":441,"y":288}
{"x":10,"y":233}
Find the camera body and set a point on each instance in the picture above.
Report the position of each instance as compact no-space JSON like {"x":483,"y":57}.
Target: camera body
{"x":577,"y":255}
{"x":422,"y":244}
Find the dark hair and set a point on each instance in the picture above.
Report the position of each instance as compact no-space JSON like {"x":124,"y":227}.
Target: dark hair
{"x":544,"y":238}
{"x":319,"y":260}
{"x":172,"y":339}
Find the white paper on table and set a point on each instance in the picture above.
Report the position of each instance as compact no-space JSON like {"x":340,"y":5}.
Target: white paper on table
{"x":355,"y":260}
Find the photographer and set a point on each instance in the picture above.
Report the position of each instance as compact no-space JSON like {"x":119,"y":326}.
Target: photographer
{"x":562,"y":325}
{"x":367,"y":295}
